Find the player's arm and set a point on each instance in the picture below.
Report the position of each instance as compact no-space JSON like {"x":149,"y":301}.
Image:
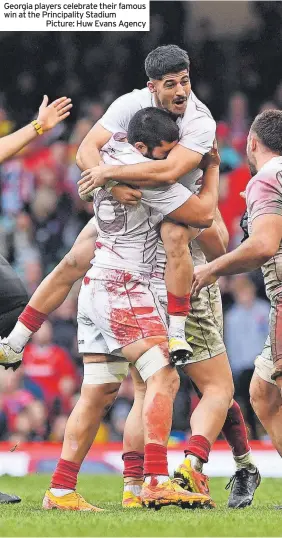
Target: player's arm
{"x":199,"y":210}
{"x":253,"y":253}
{"x":48,"y":117}
{"x":185,"y":157}
{"x":88,"y":154}
{"x":115,"y":120}
{"x":222,"y":228}
{"x":179,"y":162}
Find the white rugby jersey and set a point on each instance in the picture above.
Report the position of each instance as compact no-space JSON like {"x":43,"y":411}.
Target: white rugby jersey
{"x":196,"y":126}
{"x":264,"y":196}
{"x":127,"y":236}
{"x":197,"y":132}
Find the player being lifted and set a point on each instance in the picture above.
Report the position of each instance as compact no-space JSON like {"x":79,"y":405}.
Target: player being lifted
{"x":169,"y":88}
{"x":13,"y":296}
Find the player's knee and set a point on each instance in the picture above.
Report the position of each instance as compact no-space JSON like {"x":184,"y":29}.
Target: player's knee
{"x":102,"y":396}
{"x":223,"y":391}
{"x":153,"y":367}
{"x":175,"y":239}
{"x":264,"y":402}
{"x":167,"y":379}
{"x":71,"y":268}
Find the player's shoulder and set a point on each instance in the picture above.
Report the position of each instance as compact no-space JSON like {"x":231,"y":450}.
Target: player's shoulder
{"x":140,"y":98}
{"x":198,"y":115}
{"x":269,"y":174}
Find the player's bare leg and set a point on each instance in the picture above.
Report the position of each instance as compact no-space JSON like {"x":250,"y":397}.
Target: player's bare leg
{"x":133,"y":446}
{"x":213,"y":378}
{"x":82,"y":426}
{"x":178,"y":278}
{"x":50,"y":294}
{"x":161,"y":387}
{"x":266,"y":401}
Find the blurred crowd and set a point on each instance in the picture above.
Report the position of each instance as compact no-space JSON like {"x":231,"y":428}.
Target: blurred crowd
{"x":41,"y":214}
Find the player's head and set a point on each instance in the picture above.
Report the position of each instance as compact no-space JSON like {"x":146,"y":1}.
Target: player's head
{"x":153,"y":132}
{"x":265,"y":137}
{"x":167,"y":68}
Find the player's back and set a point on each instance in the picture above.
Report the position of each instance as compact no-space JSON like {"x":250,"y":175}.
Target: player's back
{"x":127,"y":236}
{"x":264,"y":196}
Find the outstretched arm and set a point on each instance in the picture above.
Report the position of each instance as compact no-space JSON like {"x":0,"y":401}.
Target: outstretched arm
{"x":253,"y":253}
{"x":48,"y":117}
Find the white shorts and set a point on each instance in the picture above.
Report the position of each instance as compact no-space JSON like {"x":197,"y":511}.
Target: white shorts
{"x":204,"y":323}
{"x":264,"y":363}
{"x":115,"y":309}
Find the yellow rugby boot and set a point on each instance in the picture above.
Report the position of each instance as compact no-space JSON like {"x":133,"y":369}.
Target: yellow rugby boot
{"x":71,"y":501}
{"x":155,"y":495}
{"x":180,"y":350}
{"x":130,"y":500}
{"x":191,"y":480}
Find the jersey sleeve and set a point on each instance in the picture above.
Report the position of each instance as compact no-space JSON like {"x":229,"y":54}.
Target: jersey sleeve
{"x":119,"y":114}
{"x":166,"y":200}
{"x":264,"y":196}
{"x":199,"y":135}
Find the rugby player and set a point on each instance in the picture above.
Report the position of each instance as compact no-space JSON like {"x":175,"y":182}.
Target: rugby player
{"x":120,"y":321}
{"x":171,"y":91}
{"x":13,"y":296}
{"x":262,"y":249}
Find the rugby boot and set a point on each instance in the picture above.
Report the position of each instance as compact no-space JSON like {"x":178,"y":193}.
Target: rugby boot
{"x":190,"y":479}
{"x":8,"y":357}
{"x":71,"y":501}
{"x":130,"y":500}
{"x":243,"y":486}
{"x":180,"y":350}
{"x":155,"y":495}
{"x":9,"y":499}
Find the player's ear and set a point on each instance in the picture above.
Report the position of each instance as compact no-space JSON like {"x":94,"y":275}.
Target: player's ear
{"x":141,"y":147}
{"x":151,"y":86}
{"x":254,"y":143}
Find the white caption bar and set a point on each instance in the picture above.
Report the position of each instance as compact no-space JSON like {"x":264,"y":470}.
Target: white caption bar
{"x":37,"y":16}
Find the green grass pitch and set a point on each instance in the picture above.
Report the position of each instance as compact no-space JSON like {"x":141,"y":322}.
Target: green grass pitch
{"x":27,"y":518}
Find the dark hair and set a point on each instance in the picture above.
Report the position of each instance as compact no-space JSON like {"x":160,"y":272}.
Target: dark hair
{"x":152,"y":125}
{"x":268,"y":127}
{"x":166,"y":59}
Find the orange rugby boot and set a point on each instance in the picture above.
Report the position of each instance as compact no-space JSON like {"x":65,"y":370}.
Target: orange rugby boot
{"x":191,"y":480}
{"x":155,"y":495}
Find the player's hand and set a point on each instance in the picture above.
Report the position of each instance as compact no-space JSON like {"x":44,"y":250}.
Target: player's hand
{"x":91,"y":179}
{"x":212,"y":158}
{"x":202,"y":277}
{"x":126,"y":195}
{"x":50,"y":115}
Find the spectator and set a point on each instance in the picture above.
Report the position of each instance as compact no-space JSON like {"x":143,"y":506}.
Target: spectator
{"x":48,"y":364}
{"x":230,"y":158}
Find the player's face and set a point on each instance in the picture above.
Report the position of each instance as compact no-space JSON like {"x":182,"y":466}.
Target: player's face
{"x":158,"y":153}
{"x":250,"y":155}
{"x":172,"y":91}
{"x":161,"y":152}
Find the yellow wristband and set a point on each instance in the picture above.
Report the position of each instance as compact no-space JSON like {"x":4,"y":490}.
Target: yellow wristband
{"x":37,"y":127}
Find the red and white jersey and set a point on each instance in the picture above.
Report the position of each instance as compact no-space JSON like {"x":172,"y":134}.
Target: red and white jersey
{"x":264,"y":196}
{"x":127,"y":236}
